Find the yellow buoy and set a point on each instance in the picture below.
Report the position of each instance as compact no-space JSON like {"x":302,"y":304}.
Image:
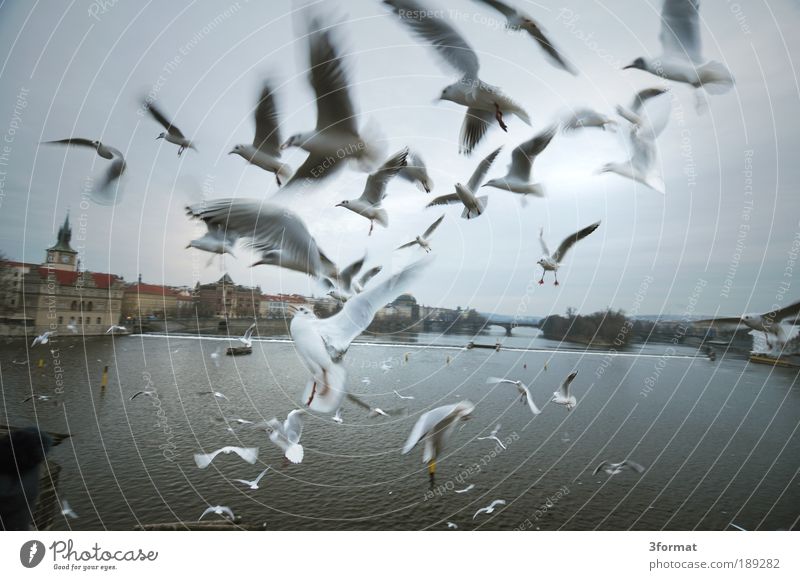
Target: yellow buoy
{"x":104,"y":378}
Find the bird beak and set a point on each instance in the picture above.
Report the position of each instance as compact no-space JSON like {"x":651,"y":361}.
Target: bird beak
{"x":231,"y":152}
{"x":159,"y":137}
{"x":338,"y":205}
{"x":628,"y":66}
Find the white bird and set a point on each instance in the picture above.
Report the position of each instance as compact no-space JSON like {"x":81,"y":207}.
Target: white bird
{"x":142,"y":394}
{"x":247,"y":338}
{"x":322,"y":343}
{"x":216,"y":357}
{"x":366,"y":381}
{"x":215,"y":241}
{"x":423,"y":240}
{"x":741,"y":529}
{"x":66,"y":510}
{"x":337,"y":417}
{"x":562,"y":396}
{"x":217,"y":395}
{"x":286,"y":435}
{"x":615,"y":468}
{"x":681,"y":60}
{"x":490,"y":508}
{"x":172,"y":133}
{"x":277,"y":234}
{"x":647,"y":116}
{"x":524,"y":393}
{"x":116,"y":327}
{"x":265,"y":152}
{"x":584,"y":118}
{"x":416,"y":172}
{"x":410,"y":397}
{"x":41,"y":399}
{"x":220,"y":510}
{"x":249,"y":454}
{"x":768,"y":323}
{"x":72,"y":328}
{"x":358,"y":285}
{"x":452,"y":526}
{"x":253,"y":484}
{"x":373,"y":411}
{"x":337,"y":136}
{"x":470,"y":487}
{"x":386,"y":366}
{"x":434,"y":429}
{"x":518,"y":20}
{"x":518,"y":176}
{"x":551,"y":262}
{"x":473,"y":206}
{"x":493,"y":434}
{"x":484,"y":102}
{"x":369,"y":204}
{"x":102,"y":194}
{"x":43,"y":338}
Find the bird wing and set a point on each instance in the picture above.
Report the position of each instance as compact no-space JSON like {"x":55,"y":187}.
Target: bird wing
{"x":203,"y":460}
{"x":496,"y":503}
{"x":563,"y":389}
{"x":581,"y":118}
{"x":787,"y":311}
{"x":408,"y":245}
{"x":542,"y":243}
{"x":680,"y":30}
{"x":73,"y":141}
{"x":480,"y":511}
{"x":425,"y":423}
{"x":328,"y":77}
{"x":315,"y":167}
{"x":369,"y":275}
{"x":432,"y":228}
{"x":652,"y":113}
{"x":497,"y":381}
{"x":249,"y":332}
{"x":115,"y":169}
{"x":633,"y":465}
{"x":159,"y":116}
{"x":268,"y":137}
{"x":339,"y":330}
{"x":481,"y":170}
{"x":554,"y":56}
{"x":725,"y":321}
{"x":294,"y":425}
{"x":476,"y":123}
{"x":602,"y":465}
{"x":523,"y":155}
{"x":448,"y":199}
{"x":415,"y":170}
{"x":501,"y":7}
{"x":529,"y":399}
{"x":570,"y":241}
{"x":428,"y":26}
{"x":347,"y":274}
{"x":375,"y":189}
{"x":249,"y":454}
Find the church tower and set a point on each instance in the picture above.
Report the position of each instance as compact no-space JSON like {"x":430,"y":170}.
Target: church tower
{"x":61,"y":256}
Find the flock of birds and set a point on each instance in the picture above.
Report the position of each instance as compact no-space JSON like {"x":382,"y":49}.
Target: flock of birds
{"x":279,"y":237}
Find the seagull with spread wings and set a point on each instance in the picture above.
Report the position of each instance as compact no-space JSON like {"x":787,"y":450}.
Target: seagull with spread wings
{"x":518,"y":176}
{"x":105,"y":194}
{"x":247,"y":338}
{"x":220,"y":510}
{"x":492,"y":435}
{"x":423,"y":240}
{"x":769,"y":323}
{"x":522,"y":389}
{"x":172,"y":133}
{"x":552,"y":262}
{"x":253,"y":484}
{"x":369,"y":204}
{"x":562,"y":396}
{"x":485,"y":103}
{"x":287,"y":435}
{"x":265,"y":152}
{"x":249,"y":454}
{"x":615,"y":468}
{"x":490,"y":508}
{"x":465,"y":195}
{"x":416,"y":172}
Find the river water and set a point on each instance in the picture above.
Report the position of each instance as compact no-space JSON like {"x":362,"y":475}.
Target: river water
{"x":719,"y":440}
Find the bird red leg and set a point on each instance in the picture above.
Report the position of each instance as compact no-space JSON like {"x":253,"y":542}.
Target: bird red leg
{"x":541,"y":280}
{"x":498,"y":114}
{"x":313,"y":392}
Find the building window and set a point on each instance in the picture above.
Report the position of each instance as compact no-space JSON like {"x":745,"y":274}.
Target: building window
{"x":61,"y":320}
{"x":72,"y":320}
{"x":74,"y":305}
{"x":90,"y":306}
{"x":13,"y":302}
{"x":99,"y":320}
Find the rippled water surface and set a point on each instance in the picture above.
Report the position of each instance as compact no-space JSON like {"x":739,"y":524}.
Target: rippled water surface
{"x":719,"y":439}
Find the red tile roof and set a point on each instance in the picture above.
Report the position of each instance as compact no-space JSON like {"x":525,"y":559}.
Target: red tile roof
{"x":151,"y":289}
{"x":67,"y":278}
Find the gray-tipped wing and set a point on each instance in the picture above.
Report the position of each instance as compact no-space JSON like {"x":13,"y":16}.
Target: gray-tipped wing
{"x":432,"y":228}
{"x":268,"y":138}
{"x":563,"y":389}
{"x":522,"y":156}
{"x":434,"y":29}
{"x":159,"y":116}
{"x":375,"y":189}
{"x":427,"y":423}
{"x":476,"y":123}
{"x":571,"y":240}
{"x":328,"y":77}
{"x":556,"y":58}
{"x":448,"y":199}
{"x":481,"y":170}
{"x":680,"y":30}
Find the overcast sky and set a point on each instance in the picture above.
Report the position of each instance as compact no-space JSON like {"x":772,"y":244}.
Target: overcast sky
{"x":76,"y":70}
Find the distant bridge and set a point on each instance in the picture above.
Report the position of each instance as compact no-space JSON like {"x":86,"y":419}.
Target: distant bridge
{"x":511,"y":322}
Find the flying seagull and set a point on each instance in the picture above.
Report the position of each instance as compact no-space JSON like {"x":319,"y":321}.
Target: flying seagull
{"x":768,"y":323}
{"x":551,"y":262}
{"x":286,"y":435}
{"x":470,"y":487}
{"x":265,"y":152}
{"x":369,"y":204}
{"x":114,"y":328}
{"x":416,"y":172}
{"x":373,"y":411}
{"x":72,"y":328}
{"x":217,"y":395}
{"x":473,"y":206}
{"x":682,"y":60}
{"x":66,"y":510}
{"x":172,"y":133}
{"x":220,"y":510}
{"x":522,"y":389}
{"x":215,"y":241}
{"x":322,"y":343}
{"x":43,"y":338}
{"x":490,"y":508}
{"x":102,"y":194}
{"x":409,"y":397}
{"x":615,"y":468}
{"x":142,"y":394}
{"x":647,"y":117}
{"x":277,"y":234}
{"x":584,"y":118}
{"x":422,"y":241}
{"x":518,"y":20}
{"x":247,"y":338}
{"x":562,"y":396}
{"x":485,"y":103}
{"x":493,"y":434}
{"x":41,"y":399}
{"x":518,"y":176}
{"x":249,"y":454}
{"x":253,"y":484}
{"x":434,"y":428}
{"x":337,"y":136}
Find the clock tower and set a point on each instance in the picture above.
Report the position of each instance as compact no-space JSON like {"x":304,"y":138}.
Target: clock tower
{"x":61,"y":256}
